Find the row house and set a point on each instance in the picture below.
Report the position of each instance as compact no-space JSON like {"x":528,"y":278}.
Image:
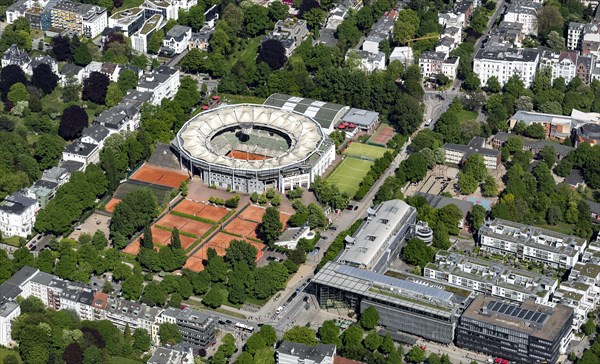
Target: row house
{"x":527,"y":242}
{"x":569,"y":64}
{"x":381,"y":30}
{"x":508,"y":34}
{"x":433,"y":63}
{"x":491,"y":277}
{"x":196,"y":328}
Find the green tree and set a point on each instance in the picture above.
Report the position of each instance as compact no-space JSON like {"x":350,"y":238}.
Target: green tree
{"x":271,"y":226}
{"x":477,"y":217}
{"x":301,"y":334}
{"x":467,"y":184}
{"x":416,"y":252}
{"x":329,"y":333}
{"x":82,"y":56}
{"x":369,"y":318}
{"x":548,"y":155}
{"x":589,"y":327}
{"x":113,"y":94}
{"x":175,"y":239}
{"x":154,"y":295}
{"x":475,"y":167}
{"x":489,"y":187}
{"x":254,"y":343}
{"x":147,"y":240}
{"x":416,"y":355}
{"x":493,"y":85}
{"x":128,"y":80}
{"x":169,"y":334}
{"x":156,"y":41}
{"x":239,"y":251}
{"x":18,"y":92}
{"x":372,"y":341}
{"x":269,"y":335}
{"x":214,"y":298}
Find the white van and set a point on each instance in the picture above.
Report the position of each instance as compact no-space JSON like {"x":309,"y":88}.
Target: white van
{"x":279,"y":310}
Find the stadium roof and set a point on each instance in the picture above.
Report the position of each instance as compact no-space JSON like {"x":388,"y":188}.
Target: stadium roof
{"x":327,"y":114}
{"x":194,"y":138}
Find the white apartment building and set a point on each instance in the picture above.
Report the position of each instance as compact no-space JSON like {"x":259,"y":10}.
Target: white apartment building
{"x":503,"y":63}
{"x":531,"y":243}
{"x":450,"y":67}
{"x":559,"y":64}
{"x":162,"y":82}
{"x":165,"y":8}
{"x":524,"y":12}
{"x":17,"y":215}
{"x":366,"y":61}
{"x":9,"y":310}
{"x":491,"y":277}
{"x":403,"y":55}
{"x":575,"y":35}
{"x":78,"y":151}
{"x":458,"y":153}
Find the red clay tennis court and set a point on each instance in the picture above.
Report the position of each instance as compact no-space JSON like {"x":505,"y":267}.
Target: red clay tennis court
{"x":186,"y":241}
{"x":197,"y":228}
{"x":220,"y":242}
{"x":210,"y":212}
{"x":242,"y":227}
{"x":253,"y":213}
{"x":246,"y":156}
{"x":160,"y":176}
{"x":160,"y":236}
{"x":112,"y":204}
{"x":383,"y":135}
{"x":194,"y":264}
{"x":133,"y":248}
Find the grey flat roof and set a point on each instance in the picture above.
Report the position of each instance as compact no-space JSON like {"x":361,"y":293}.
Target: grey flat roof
{"x":326,"y":114}
{"x":43,"y":278}
{"x":96,"y":132}
{"x":80,"y":148}
{"x":438,"y":202}
{"x":561,"y":149}
{"x":314,"y":353}
{"x":16,"y":203}
{"x":361,"y":117}
{"x":371,"y":240}
{"x":177,"y":32}
{"x":7,"y":307}
{"x":549,"y":320}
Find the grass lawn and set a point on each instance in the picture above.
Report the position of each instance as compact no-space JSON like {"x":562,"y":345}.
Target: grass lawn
{"x":365,"y":150}
{"x":247,"y":54}
{"x":4,"y":352}
{"x":466,"y":115}
{"x":52,"y":103}
{"x":241,"y":99}
{"x":348,"y":174}
{"x":561,"y":227}
{"x":13,"y":241}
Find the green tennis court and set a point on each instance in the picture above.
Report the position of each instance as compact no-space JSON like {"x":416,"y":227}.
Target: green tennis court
{"x":348,"y":175}
{"x":365,"y":150}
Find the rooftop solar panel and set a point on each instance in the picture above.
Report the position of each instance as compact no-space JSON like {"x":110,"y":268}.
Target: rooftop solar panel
{"x":510,"y":310}
{"x":503,"y":308}
{"x":535,"y":316}
{"x":522,"y":313}
{"x":528,"y":316}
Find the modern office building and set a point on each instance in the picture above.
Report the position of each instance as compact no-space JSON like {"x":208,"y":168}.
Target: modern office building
{"x":405,"y":302}
{"x":377,"y":242}
{"x":139,"y":40}
{"x":128,"y":21}
{"x":550,"y":248}
{"x":525,"y":333}
{"x":196,"y":328}
{"x":491,"y":277}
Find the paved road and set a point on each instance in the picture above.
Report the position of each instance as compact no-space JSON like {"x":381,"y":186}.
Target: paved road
{"x":175,"y":60}
{"x":497,"y":13}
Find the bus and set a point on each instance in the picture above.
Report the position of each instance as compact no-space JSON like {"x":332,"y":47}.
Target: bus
{"x":242,"y":327}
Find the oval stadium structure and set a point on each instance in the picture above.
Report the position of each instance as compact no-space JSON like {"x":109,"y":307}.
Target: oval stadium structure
{"x":250,"y":148}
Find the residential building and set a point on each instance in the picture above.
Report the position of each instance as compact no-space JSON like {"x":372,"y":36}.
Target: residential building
{"x":17,"y":215}
{"x":111,"y":70}
{"x":451,"y":20}
{"x":534,"y":145}
{"x":559,"y":64}
{"x":295,"y":353}
{"x":16,"y":56}
{"x":165,"y":8}
{"x":558,"y":127}
{"x":522,"y":333}
{"x":445,"y":45}
{"x":176,"y":40}
{"x":431,"y":63}
{"x":187,"y":4}
{"x":197,"y":329}
{"x":380,"y":31}
{"x":366,"y":61}
{"x":128,"y":21}
{"x":411,"y":304}
{"x":589,"y":40}
{"x":9,"y":311}
{"x":437,"y":202}
{"x":162,"y":82}
{"x":402,"y":54}
{"x":464,"y":9}
{"x":450,"y":67}
{"x":179,"y":354}
{"x":527,"y":242}
{"x":524,"y":12}
{"x":86,"y":153}
{"x":82,"y":19}
{"x":505,"y":62}
{"x":200,"y":39}
{"x":378,"y":241}
{"x":42,"y":191}
{"x":71,"y":73}
{"x":95,"y":134}
{"x":123,"y":118}
{"x":594,"y":210}
{"x":507,"y":34}
{"x":575,"y":33}
{"x":458,"y":153}
{"x":584,"y":67}
{"x":365,"y":120}
{"x":139,"y":41}
{"x":588,"y":133}
{"x":51,"y":62}
{"x":291,"y":32}
{"x":491,"y":277}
